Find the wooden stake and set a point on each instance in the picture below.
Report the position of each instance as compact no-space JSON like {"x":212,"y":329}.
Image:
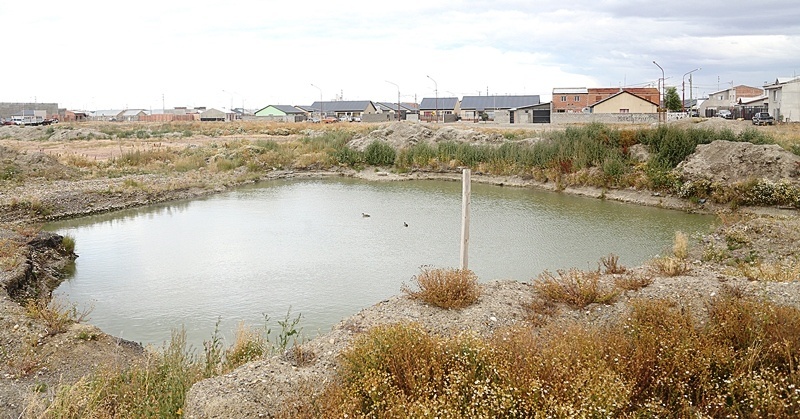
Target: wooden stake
{"x":465,"y":200}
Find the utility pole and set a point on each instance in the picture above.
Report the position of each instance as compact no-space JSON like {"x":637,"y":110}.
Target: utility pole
{"x":436,"y":91}
{"x":398,"y":98}
{"x":320,"y":102}
{"x":683,"y":88}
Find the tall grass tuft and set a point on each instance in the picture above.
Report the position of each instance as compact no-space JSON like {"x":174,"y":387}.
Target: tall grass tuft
{"x":378,"y":153}
{"x":445,"y":288}
{"x":574,"y":287}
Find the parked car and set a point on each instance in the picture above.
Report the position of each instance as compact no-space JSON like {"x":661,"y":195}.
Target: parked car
{"x":763,"y":118}
{"x":725,"y":114}
{"x":330,"y":120}
{"x":694,"y":114}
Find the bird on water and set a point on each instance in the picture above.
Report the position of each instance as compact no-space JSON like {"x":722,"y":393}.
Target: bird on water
{"x":364,"y":214}
{"x":405,"y":224}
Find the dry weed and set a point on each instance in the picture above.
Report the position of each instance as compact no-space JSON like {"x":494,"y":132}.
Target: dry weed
{"x":669,"y":266}
{"x":574,"y":287}
{"x":445,"y":288}
{"x":680,"y":249}
{"x":611,"y":264}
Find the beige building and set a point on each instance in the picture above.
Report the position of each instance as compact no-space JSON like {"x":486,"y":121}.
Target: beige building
{"x":624,"y":102}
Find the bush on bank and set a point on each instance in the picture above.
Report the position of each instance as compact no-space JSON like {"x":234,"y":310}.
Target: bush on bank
{"x":658,"y":361}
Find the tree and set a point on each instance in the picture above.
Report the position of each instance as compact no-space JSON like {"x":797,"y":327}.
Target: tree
{"x":673,"y":101}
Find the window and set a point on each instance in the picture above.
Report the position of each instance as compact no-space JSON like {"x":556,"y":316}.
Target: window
{"x":563,"y":98}
{"x":577,"y":98}
{"x":624,"y":111}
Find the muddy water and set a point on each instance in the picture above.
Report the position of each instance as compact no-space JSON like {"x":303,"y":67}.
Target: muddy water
{"x":305,"y":245}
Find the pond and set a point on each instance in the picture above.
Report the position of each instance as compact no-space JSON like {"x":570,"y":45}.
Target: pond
{"x":304,"y":246}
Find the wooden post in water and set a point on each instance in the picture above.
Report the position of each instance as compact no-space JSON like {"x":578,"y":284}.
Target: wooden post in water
{"x":465,"y":199}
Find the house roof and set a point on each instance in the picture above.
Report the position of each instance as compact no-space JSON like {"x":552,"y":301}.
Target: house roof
{"x":287,"y":109}
{"x":343,"y":105}
{"x":784,"y":80}
{"x":132,"y":112}
{"x":107,"y":112}
{"x":392,"y":106}
{"x":747,"y":100}
{"x":432,"y":103}
{"x":622,"y":92}
{"x":498,"y":102}
{"x":569,"y":90}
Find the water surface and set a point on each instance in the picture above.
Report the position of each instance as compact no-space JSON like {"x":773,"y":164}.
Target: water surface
{"x":304,"y":245}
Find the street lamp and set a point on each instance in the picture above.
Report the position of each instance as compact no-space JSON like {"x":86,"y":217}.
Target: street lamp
{"x":320,"y":101}
{"x":436,"y":90}
{"x":398,"y":98}
{"x":683,"y":87}
{"x":661,"y":84}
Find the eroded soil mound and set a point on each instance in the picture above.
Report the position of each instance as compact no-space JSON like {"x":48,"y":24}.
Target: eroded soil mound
{"x":734,"y":162}
{"x":15,"y":164}
{"x":405,"y":134}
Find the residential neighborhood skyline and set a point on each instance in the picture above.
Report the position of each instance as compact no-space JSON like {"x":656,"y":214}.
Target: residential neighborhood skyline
{"x":101,"y":55}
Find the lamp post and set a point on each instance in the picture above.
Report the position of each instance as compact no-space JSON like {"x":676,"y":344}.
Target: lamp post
{"x":683,"y":87}
{"x":436,"y":91}
{"x":661,"y":84}
{"x":320,"y":101}
{"x":398,"y":98}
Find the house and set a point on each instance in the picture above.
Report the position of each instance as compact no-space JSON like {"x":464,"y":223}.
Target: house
{"x":215,"y":115}
{"x":403,"y":110}
{"x":746,"y":107}
{"x":531,"y":114}
{"x":106,"y":115}
{"x":650,"y":94}
{"x":624,"y":102}
{"x":475,"y":107}
{"x":439,"y":109}
{"x":131,"y":115}
{"x":727,"y":99}
{"x":345,"y":108}
{"x":783,"y":99}
{"x":570,"y":99}
{"x":282,"y":113}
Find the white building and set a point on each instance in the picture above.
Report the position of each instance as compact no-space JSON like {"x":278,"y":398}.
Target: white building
{"x":783,"y":99}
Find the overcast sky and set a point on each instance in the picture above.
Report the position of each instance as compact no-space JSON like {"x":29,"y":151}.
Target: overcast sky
{"x":132,"y":54}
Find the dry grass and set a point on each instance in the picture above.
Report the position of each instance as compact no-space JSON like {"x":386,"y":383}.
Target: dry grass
{"x":574,"y":287}
{"x":669,"y":266}
{"x":764,"y":271}
{"x":445,"y":288}
{"x":56,"y":314}
{"x":655,"y":361}
{"x":633,"y":282}
{"x":680,"y":248}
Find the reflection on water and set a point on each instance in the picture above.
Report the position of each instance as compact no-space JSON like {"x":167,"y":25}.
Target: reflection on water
{"x":304,"y":245}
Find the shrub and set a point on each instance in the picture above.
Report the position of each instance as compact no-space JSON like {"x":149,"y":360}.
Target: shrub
{"x":574,"y":287}
{"x":445,"y":288}
{"x":68,"y":243}
{"x":378,"y":153}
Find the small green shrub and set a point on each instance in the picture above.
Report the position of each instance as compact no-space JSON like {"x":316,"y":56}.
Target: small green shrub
{"x":379,"y":153}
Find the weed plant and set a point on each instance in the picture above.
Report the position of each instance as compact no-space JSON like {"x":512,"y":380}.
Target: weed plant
{"x":445,"y":288}
{"x":157,"y":385}
{"x":656,"y":361}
